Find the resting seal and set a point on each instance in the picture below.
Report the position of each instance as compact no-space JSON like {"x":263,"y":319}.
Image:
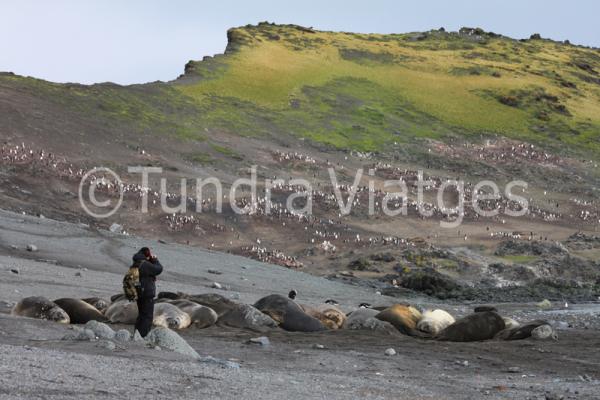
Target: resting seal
{"x":364,"y":319}
{"x":170,"y":316}
{"x":201,"y":316}
{"x":100,"y":304}
{"x":434,"y":321}
{"x":474,"y":327}
{"x":122,"y":312}
{"x":403,"y":317}
{"x":329,"y":315}
{"x":219,"y":303}
{"x":40,"y":308}
{"x":79,"y":311}
{"x":520,"y":332}
{"x":288,"y":314}
{"x":248,"y":317}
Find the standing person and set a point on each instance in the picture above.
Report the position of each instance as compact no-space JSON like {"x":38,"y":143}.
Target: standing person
{"x":149,"y":268}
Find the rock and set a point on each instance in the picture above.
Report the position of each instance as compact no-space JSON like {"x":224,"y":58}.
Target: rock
{"x":544,"y":332}
{"x":100,"y":329}
{"x":544,"y":304}
{"x":464,"y":363}
{"x":221,"y":363}
{"x":390,"y":352}
{"x":14,"y":271}
{"x":80,"y":334}
{"x":137,"y":337}
{"x":106,"y":344}
{"x":318,"y":346}
{"x":214,"y":271}
{"x":32,"y":248}
{"x":216,"y":285}
{"x":116,"y":228}
{"x":122,"y":335}
{"x":78,"y":274}
{"x":162,"y":241}
{"x":513,"y":370}
{"x":168,"y":339}
{"x":262,"y":340}
{"x":13,"y":247}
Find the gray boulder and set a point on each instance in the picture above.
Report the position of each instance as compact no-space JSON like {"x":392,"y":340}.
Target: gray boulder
{"x":122,"y":335}
{"x":168,"y":339}
{"x":100,"y":329}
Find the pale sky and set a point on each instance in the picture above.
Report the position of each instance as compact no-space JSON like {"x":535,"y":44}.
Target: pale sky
{"x":136,"y":41}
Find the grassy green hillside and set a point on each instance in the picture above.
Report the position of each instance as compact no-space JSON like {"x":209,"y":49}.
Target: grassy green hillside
{"x":359,"y":91}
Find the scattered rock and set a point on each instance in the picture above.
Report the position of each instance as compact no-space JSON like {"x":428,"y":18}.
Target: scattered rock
{"x":122,"y":335}
{"x":216,"y":285}
{"x":513,"y":370}
{"x":214,"y":271}
{"x":168,"y":339}
{"x":390,"y":352}
{"x":106,"y":344}
{"x":13,"y":247}
{"x":262,"y":340}
{"x":137,"y":337}
{"x":464,"y":363}
{"x":116,"y":228}
{"x":318,"y":346}
{"x":162,"y":241}
{"x":78,"y":274}
{"x":80,"y":334}
{"x":221,"y":363}
{"x":32,"y":248}
{"x":14,"y":271}
{"x":100,"y":329}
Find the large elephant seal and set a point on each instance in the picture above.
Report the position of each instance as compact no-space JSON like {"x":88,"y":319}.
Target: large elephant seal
{"x":474,"y":327}
{"x":170,"y":316}
{"x":122,"y":312}
{"x":520,"y":332}
{"x":100,"y":304}
{"x":329,"y":315}
{"x":79,"y":311}
{"x":434,"y":321}
{"x":403,"y":317}
{"x":201,"y":316}
{"x":246,"y":316}
{"x":288,"y":314}
{"x":40,"y":308}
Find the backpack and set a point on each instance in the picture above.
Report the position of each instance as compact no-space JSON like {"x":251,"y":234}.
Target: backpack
{"x":131,"y":282}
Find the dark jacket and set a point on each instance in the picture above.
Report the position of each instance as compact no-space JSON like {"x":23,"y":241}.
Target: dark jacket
{"x":149,"y":270}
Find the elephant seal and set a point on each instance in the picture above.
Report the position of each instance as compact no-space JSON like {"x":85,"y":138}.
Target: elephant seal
{"x":79,"y":311}
{"x":474,"y":327}
{"x":510,"y":323}
{"x":434,"y":321}
{"x":403,"y":317}
{"x":40,"y":308}
{"x":329,"y":315}
{"x":485,"y":308}
{"x":364,"y":319}
{"x":117,"y":297}
{"x":520,"y":332}
{"x":219,"y":303}
{"x":122,"y":312}
{"x":201,"y":316}
{"x":247,"y":317}
{"x":288,"y":314}
{"x":170,"y":316}
{"x":100,"y":304}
